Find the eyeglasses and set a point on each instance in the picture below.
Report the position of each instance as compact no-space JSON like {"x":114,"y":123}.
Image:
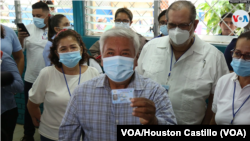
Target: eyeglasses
{"x":124,"y":21}
{"x":181,"y":26}
{"x":237,"y":54}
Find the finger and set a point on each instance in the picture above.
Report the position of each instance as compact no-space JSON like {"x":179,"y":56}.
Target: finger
{"x":144,"y":116}
{"x":141,"y":103}
{"x":146,"y":110}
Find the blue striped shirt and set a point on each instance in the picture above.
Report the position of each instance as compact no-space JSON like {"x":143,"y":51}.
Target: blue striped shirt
{"x":90,"y":109}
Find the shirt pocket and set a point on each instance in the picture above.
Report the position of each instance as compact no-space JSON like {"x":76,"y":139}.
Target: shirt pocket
{"x":156,"y":64}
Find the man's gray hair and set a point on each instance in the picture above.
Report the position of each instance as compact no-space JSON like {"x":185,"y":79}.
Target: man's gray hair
{"x":178,"y":5}
{"x":120,"y":32}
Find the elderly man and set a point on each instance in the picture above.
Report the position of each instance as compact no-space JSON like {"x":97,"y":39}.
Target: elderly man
{"x":184,"y":64}
{"x":119,"y":97}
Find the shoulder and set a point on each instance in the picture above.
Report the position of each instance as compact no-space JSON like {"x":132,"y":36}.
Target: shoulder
{"x":92,"y":70}
{"x":149,"y":84}
{"x":209,"y":50}
{"x":224,"y":81}
{"x":157,"y":42}
{"x":8,"y":30}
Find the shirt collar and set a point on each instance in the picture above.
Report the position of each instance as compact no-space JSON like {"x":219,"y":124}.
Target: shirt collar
{"x":135,"y":82}
{"x":196,"y":47}
{"x":234,"y":77}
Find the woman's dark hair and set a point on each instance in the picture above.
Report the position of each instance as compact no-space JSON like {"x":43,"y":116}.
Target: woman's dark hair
{"x":63,"y":34}
{"x":124,"y":10}
{"x":243,"y":35}
{"x":54,"y":22}
{"x":162,"y":14}
{"x":2,"y":32}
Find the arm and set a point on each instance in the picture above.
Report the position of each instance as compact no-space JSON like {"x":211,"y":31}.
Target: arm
{"x":70,"y":128}
{"x":35,"y":112}
{"x":9,"y":65}
{"x":207,"y":118}
{"x":19,"y":59}
{"x":212,"y":122}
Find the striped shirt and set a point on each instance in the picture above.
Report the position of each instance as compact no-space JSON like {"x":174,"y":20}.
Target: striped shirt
{"x":90,"y":110}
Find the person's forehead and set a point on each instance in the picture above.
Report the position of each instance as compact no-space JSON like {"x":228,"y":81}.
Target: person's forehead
{"x":122,"y":15}
{"x":64,"y":20}
{"x":243,"y":45}
{"x":228,"y":19}
{"x":38,"y":11}
{"x":163,"y":18}
{"x":117,"y":43}
{"x":179,"y":16}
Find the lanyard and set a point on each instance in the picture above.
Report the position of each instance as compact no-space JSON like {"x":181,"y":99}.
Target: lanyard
{"x":233,"y":104}
{"x":67,"y":82}
{"x":176,"y":60}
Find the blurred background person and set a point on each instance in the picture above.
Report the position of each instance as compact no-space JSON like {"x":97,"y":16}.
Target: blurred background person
{"x":56,"y":83}
{"x":34,"y":46}
{"x":49,"y":2}
{"x":123,"y":18}
{"x":11,"y":45}
{"x":163,"y":24}
{"x":232,"y":94}
{"x":9,"y":111}
{"x":56,"y":24}
{"x":227,"y":18}
{"x":231,"y":46}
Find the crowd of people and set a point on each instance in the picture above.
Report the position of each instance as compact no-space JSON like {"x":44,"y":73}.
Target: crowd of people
{"x":126,"y":79}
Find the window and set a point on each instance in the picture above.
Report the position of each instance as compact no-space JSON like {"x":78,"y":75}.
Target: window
{"x":8,"y":13}
{"x":99,"y":15}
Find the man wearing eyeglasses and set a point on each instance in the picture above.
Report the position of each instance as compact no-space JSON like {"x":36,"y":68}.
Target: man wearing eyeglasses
{"x":186,"y":66}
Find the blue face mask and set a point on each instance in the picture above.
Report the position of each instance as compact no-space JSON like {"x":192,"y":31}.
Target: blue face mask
{"x":164,"y":30}
{"x":70,"y":59}
{"x":241,"y":67}
{"x":118,"y":68}
{"x":39,"y":22}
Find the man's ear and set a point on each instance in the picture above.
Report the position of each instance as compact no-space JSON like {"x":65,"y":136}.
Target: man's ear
{"x":130,"y":23}
{"x":196,"y":24}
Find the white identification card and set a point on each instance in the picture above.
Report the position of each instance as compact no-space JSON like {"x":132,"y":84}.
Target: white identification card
{"x":122,"y":95}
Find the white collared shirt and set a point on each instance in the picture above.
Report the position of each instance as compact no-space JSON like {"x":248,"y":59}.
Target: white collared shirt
{"x":193,"y":78}
{"x":34,"y":45}
{"x":223,"y":100}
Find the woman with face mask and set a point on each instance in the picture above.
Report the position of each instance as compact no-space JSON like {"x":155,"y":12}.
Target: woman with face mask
{"x":232,"y":94}
{"x":56,"y":83}
{"x":56,"y":24}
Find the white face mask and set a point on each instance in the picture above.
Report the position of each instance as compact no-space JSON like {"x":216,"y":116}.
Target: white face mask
{"x":179,"y":36}
{"x":121,"y":24}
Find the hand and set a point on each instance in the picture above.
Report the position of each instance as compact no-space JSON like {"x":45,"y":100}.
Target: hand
{"x":35,"y":116}
{"x":22,"y":35}
{"x":145,"y":110}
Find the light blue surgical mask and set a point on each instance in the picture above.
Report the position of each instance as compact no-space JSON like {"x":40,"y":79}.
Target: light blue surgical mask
{"x":39,"y":22}
{"x":241,"y":67}
{"x":164,"y":30}
{"x":70,"y":59}
{"x":118,"y":68}
{"x":122,"y":24}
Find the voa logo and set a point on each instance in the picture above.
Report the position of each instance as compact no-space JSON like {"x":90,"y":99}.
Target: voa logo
{"x":240,"y":18}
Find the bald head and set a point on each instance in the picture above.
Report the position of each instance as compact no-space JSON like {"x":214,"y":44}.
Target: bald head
{"x":180,"y":5}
